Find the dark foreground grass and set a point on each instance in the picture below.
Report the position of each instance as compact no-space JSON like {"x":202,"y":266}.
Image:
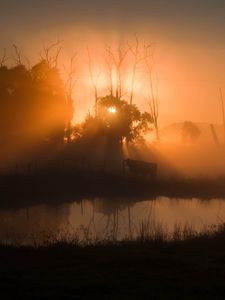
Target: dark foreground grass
{"x":143,"y":269}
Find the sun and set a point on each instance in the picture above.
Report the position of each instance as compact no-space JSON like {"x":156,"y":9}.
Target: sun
{"x":112,"y":110}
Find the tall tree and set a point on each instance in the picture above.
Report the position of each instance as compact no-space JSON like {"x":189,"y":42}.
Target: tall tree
{"x":72,"y":78}
{"x":135,"y":50}
{"x":117,"y":59}
{"x":32,"y":103}
{"x":152,"y":99}
{"x":94,"y":81}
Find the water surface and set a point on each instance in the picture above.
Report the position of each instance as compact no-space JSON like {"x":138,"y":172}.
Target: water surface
{"x":103,"y":218}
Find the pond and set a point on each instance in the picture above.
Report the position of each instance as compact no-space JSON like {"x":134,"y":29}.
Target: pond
{"x":107,"y":219}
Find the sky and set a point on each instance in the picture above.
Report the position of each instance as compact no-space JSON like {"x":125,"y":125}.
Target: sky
{"x":189,"y":38}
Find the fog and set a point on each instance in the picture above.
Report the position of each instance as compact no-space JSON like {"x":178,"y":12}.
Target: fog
{"x":185,"y":81}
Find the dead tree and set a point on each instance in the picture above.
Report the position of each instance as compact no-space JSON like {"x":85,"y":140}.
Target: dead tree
{"x":134,"y":49}
{"x":223,"y":113}
{"x":3,"y":59}
{"x":94,"y":81}
{"x":152,"y":99}
{"x":118,"y":61}
{"x":72,"y":78}
{"x":109,"y":65}
{"x":18,"y":58}
{"x":51,"y":53}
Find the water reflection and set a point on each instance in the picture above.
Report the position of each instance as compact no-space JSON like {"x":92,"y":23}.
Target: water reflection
{"x":101,"y":218}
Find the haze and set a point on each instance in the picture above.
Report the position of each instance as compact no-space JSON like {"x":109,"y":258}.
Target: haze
{"x":189,"y":38}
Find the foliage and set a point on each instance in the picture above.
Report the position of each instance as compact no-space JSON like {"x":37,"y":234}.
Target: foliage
{"x":127,"y":123}
{"x":33,"y":103}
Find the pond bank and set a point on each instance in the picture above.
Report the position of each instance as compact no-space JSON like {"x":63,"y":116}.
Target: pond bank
{"x":74,"y":187}
{"x":189,"y":269}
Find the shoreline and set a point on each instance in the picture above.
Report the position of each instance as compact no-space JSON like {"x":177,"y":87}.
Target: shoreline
{"x":189,"y":269}
{"x":55,"y":188}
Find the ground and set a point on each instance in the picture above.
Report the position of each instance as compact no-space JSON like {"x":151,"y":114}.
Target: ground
{"x":152,"y":270}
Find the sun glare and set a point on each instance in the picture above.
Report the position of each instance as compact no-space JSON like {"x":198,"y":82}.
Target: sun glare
{"x":112,"y":110}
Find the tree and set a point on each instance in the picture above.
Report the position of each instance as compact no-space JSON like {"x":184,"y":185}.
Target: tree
{"x":71,"y":81}
{"x":190,"y":131}
{"x":152,"y":99}
{"x":32,"y":104}
{"x":3,"y":59}
{"x":94,"y":81}
{"x":118,"y":120}
{"x":135,"y":50}
{"x":115,"y":61}
{"x":50,"y":100}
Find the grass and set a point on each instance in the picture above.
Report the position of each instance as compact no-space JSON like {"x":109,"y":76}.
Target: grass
{"x":146,"y":231}
{"x":187,"y":266}
{"x":151,"y":264}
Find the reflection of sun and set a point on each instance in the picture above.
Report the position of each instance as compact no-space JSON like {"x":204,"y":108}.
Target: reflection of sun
{"x":112,"y":110}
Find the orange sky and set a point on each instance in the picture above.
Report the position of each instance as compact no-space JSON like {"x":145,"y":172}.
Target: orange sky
{"x":189,"y":77}
{"x":189,"y":57}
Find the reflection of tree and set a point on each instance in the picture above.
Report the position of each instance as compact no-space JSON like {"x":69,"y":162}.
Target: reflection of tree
{"x":111,"y":210}
{"x":33,"y":223}
{"x":115,"y":219}
{"x":91,"y":224}
{"x":124,"y":221}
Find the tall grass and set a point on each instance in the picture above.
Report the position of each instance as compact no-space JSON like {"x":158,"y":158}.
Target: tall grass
{"x":146,"y":233}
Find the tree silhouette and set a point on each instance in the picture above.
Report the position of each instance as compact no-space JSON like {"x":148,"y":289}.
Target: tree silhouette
{"x":118,"y":120}
{"x":152,"y":99}
{"x":190,"y":131}
{"x":115,"y":61}
{"x":32,"y":103}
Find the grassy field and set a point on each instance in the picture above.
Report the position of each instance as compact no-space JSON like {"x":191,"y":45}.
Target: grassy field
{"x":147,"y":268}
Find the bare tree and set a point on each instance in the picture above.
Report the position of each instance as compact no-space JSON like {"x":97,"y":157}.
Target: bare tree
{"x":94,"y":81}
{"x":152,"y":99}
{"x":137,"y":59}
{"x":223,"y":113}
{"x":20,"y":58}
{"x":72,"y":78}
{"x":109,"y":64}
{"x":18,"y":53}
{"x":51,"y":53}
{"x":3,"y":59}
{"x":118,"y":61}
